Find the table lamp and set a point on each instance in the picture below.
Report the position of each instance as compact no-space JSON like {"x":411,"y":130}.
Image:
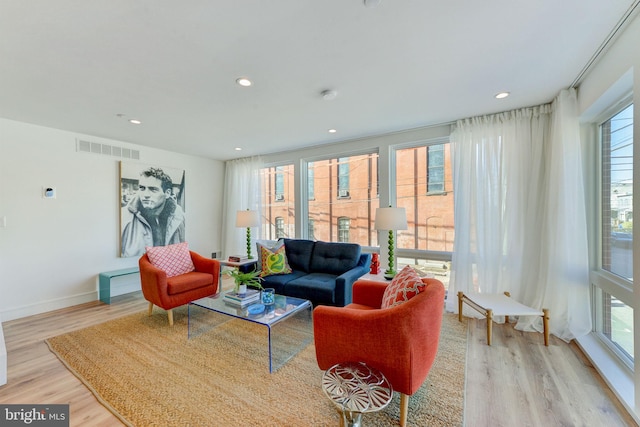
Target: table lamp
{"x":390,"y":219}
{"x":248,"y":219}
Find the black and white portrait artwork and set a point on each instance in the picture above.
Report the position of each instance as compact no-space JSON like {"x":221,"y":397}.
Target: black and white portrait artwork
{"x":151,"y":207}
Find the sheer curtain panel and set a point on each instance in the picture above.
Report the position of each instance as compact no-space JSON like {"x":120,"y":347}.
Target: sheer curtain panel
{"x":241,"y":192}
{"x":520,"y":213}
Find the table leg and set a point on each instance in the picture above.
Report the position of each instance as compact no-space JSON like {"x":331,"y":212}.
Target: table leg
{"x":489,"y":325}
{"x":545,"y":325}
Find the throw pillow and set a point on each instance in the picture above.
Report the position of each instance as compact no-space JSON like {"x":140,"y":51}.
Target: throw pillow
{"x":172,"y":259}
{"x":274,"y":261}
{"x":404,"y":286}
{"x":269,"y":244}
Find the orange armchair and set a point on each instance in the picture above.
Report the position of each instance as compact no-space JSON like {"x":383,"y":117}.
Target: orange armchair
{"x":170,"y":292}
{"x":400,"y":341}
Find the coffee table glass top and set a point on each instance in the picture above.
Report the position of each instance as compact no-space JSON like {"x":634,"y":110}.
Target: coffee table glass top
{"x":283,"y":307}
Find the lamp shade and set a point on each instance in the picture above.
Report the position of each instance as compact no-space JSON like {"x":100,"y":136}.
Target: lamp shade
{"x":247,"y":219}
{"x":391,"y":219}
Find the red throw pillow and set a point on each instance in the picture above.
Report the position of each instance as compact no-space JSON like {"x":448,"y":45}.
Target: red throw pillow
{"x":172,"y":259}
{"x":404,"y":286}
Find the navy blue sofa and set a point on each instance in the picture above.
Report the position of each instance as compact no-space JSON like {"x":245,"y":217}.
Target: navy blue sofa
{"x":323,"y":272}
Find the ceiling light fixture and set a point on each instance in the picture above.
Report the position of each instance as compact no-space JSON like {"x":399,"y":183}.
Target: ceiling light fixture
{"x":238,"y":149}
{"x":135,"y":121}
{"x":243,"y":81}
{"x":332,"y":131}
{"x":502,"y":95}
{"x":329,"y":94}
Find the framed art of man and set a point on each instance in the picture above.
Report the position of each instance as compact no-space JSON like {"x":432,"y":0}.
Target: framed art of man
{"x":151,"y":212}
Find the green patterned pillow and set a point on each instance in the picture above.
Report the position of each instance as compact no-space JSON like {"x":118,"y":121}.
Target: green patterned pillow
{"x":274,"y":261}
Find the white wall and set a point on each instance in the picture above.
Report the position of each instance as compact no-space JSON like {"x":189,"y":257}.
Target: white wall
{"x":51,"y":250}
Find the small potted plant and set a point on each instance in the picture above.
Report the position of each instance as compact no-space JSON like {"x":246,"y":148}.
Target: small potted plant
{"x":242,"y":280}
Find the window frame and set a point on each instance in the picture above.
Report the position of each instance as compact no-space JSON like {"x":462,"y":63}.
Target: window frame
{"x":602,"y":280}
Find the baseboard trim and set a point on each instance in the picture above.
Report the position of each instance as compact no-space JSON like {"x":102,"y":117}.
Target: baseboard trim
{"x":46,"y":306}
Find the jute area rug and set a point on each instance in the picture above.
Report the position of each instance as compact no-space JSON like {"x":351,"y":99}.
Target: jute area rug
{"x":149,"y":374}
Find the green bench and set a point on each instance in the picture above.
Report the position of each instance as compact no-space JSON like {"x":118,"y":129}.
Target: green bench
{"x":104,"y":281}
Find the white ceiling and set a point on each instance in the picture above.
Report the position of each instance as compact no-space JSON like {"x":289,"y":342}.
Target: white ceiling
{"x":76,"y":65}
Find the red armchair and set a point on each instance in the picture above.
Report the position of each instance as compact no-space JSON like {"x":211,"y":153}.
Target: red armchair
{"x":401,"y":341}
{"x":172,"y":292}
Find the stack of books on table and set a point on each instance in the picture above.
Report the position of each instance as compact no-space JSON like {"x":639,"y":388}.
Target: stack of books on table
{"x":238,"y":258}
{"x":232,"y":298}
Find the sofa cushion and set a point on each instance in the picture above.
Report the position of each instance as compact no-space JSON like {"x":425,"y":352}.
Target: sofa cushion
{"x":274,"y":261}
{"x":317,"y":287}
{"x":172,"y":259}
{"x":299,"y":254}
{"x":334,"y":258}
{"x":404,"y":286}
{"x":277,"y":281}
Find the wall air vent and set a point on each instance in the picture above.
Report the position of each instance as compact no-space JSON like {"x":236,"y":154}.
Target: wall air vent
{"x":106,"y":149}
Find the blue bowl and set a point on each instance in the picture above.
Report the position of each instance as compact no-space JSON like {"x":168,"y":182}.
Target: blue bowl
{"x":255,"y":309}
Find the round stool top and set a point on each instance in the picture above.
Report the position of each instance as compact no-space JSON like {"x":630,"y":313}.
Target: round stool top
{"x":354,"y":386}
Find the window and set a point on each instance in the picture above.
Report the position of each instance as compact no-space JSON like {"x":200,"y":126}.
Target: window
{"x":617,"y":193}
{"x":435,"y":168}
{"x":359,"y":175}
{"x":279,"y":184}
{"x":613,"y":316}
{"x":279,"y":227}
{"x":343,"y":229}
{"x":311,"y":231}
{"x":429,"y":208}
{"x":343,"y":177}
{"x":278,"y":201}
{"x":310,"y":183}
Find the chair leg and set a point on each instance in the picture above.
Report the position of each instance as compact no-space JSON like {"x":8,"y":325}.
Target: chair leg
{"x":404,"y":409}
{"x":150,"y":308}
{"x":170,"y":314}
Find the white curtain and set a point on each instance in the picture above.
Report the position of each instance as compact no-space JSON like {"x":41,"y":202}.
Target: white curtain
{"x":520,"y":216}
{"x":241,"y":192}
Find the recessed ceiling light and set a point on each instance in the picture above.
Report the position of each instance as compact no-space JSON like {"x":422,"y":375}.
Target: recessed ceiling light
{"x":332,"y":131}
{"x":329,"y":94}
{"x":135,"y":121}
{"x":502,"y":95}
{"x":243,"y":81}
{"x":238,"y":149}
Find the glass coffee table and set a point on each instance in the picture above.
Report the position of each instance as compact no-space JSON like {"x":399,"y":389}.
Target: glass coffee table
{"x":288,"y":322}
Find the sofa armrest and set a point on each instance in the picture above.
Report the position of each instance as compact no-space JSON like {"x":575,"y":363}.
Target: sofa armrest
{"x":345,"y":281}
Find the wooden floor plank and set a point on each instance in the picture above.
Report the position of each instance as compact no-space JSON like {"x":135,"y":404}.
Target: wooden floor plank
{"x":515,"y":382}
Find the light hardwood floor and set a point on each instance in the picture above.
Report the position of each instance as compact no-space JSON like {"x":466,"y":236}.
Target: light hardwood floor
{"x":515,"y":382}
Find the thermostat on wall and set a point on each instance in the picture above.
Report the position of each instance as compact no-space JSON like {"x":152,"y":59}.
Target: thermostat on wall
{"x":49,"y":192}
